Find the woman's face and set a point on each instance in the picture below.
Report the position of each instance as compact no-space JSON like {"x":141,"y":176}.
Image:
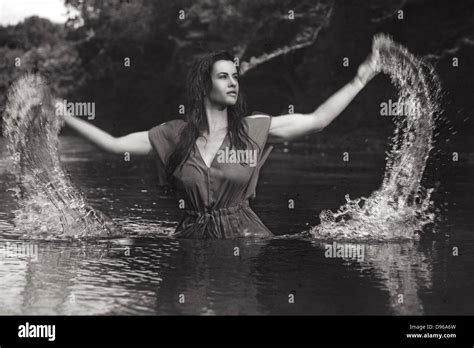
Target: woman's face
{"x":224,"y":79}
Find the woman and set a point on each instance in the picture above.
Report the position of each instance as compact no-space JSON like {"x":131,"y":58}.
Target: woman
{"x":213,"y":157}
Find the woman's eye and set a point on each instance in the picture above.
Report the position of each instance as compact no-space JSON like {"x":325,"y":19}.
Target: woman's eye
{"x":223,"y":76}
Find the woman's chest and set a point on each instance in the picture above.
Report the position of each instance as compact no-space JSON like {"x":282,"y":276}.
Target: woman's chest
{"x":227,"y":171}
{"x":208,"y":149}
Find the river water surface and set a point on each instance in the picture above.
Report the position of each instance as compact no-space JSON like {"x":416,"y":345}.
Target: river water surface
{"x":150,"y":273}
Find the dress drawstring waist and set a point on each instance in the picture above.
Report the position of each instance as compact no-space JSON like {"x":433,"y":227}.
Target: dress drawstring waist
{"x":207,"y":222}
{"x":220,"y":211}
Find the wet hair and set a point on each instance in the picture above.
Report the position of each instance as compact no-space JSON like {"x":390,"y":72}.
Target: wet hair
{"x":199,"y":84}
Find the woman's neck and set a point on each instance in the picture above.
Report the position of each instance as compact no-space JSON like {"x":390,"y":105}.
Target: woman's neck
{"x":216,"y":118}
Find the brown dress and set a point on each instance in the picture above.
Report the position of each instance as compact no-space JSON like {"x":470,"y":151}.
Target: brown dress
{"x":216,"y":199}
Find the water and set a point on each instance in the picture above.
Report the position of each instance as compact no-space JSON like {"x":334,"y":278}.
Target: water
{"x":46,"y":196}
{"x":401,"y":207}
{"x":145,"y":272}
{"x":141,"y":270}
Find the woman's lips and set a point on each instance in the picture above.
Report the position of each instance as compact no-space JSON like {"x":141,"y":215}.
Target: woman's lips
{"x":232,"y":93}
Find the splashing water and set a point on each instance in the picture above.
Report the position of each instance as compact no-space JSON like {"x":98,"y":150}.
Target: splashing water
{"x":50,"y":207}
{"x":401,"y":206}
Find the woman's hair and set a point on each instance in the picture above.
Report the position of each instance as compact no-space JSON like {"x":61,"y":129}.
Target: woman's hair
{"x":200,"y":84}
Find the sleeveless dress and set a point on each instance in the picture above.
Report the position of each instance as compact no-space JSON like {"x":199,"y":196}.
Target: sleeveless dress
{"x":216,"y":198}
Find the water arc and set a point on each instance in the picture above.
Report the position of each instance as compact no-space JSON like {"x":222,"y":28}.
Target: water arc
{"x":401,"y":206}
{"x":50,"y":207}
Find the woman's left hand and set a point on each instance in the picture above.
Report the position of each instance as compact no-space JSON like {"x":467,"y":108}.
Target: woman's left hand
{"x":369,"y":68}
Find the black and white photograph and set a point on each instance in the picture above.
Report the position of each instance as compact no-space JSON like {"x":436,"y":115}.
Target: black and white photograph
{"x":246,"y":159}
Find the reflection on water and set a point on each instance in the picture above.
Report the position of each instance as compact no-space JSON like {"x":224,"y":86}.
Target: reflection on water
{"x":149,"y":273}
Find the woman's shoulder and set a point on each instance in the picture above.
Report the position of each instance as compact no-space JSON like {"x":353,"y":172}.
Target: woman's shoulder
{"x":165,"y":135}
{"x":256,"y":115}
{"x":257,"y":120}
{"x":176,"y":123}
{"x":169,"y":128}
{"x":257,"y":127}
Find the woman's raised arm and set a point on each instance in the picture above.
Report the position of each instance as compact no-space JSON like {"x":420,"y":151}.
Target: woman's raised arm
{"x":292,"y":126}
{"x":133,"y":143}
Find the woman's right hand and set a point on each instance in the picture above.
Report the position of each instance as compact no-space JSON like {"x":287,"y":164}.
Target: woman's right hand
{"x":369,"y":68}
